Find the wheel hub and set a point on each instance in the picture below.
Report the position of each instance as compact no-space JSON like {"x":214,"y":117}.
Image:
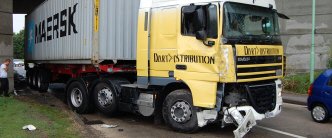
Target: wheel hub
{"x":318,"y":113}
{"x":39,"y":82}
{"x":181,"y":112}
{"x":105,"y":97}
{"x":76,"y":97}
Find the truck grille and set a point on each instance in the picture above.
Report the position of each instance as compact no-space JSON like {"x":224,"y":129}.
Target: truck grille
{"x":257,"y":68}
{"x":262,"y":97}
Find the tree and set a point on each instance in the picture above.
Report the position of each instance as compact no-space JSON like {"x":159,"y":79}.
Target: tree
{"x":18,"y":41}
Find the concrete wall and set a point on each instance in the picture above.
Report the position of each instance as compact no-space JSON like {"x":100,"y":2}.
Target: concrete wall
{"x":6,"y":35}
{"x":296,"y":32}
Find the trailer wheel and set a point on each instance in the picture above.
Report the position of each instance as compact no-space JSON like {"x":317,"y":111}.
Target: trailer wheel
{"x":43,"y":81}
{"x":28,"y":77}
{"x":34,"y":79}
{"x":77,"y":97}
{"x":179,"y":112}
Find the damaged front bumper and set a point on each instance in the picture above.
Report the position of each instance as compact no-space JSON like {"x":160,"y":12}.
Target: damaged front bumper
{"x":246,"y":122}
{"x":244,"y":117}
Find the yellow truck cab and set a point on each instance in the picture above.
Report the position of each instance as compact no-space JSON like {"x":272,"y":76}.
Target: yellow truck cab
{"x":226,"y":54}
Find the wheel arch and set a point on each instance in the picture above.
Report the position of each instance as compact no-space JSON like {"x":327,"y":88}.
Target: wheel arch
{"x":170,"y":87}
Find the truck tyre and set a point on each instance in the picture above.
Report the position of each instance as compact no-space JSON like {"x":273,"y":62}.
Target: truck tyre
{"x":28,"y":77}
{"x":43,"y":81}
{"x":179,"y":112}
{"x":77,"y":97}
{"x":106,"y":95}
{"x":35,"y":79}
{"x":319,"y":113}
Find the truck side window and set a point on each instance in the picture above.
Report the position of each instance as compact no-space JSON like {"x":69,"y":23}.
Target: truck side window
{"x":210,"y":24}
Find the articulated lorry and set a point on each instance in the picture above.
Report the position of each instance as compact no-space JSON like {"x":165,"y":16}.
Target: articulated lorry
{"x":188,"y":62}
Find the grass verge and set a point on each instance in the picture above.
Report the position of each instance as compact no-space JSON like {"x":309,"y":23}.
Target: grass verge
{"x":298,"y":83}
{"x":50,"y":122}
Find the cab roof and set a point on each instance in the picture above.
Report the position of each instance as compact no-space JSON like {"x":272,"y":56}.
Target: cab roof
{"x":162,"y":3}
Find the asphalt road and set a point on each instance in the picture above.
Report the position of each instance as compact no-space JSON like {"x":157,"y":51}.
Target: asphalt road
{"x":294,"y":121}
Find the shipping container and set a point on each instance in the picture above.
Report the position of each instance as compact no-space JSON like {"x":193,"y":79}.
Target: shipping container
{"x":63,"y":31}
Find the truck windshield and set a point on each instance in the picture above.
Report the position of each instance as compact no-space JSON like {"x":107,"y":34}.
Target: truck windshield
{"x":248,"y":24}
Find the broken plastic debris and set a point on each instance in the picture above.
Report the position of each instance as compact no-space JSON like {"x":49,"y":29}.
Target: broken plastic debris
{"x":29,"y":127}
{"x":108,"y":126}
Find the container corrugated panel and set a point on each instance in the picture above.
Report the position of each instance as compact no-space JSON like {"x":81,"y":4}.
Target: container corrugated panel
{"x":118,"y":18}
{"x":117,"y":31}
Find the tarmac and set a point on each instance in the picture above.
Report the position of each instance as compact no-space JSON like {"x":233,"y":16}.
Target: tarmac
{"x":294,"y":98}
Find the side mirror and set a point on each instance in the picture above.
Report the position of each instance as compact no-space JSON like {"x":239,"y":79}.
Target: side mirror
{"x":282,"y":16}
{"x":201,"y":35}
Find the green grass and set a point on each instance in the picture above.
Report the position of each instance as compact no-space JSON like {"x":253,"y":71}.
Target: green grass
{"x":50,"y":122}
{"x":298,"y":83}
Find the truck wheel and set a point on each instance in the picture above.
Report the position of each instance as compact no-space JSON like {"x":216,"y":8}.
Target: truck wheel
{"x":105,"y":98}
{"x":106,"y":95}
{"x":179,"y":112}
{"x":43,"y":81}
{"x":28,"y":77}
{"x":34,"y":79}
{"x":77,"y":97}
{"x":319,"y":113}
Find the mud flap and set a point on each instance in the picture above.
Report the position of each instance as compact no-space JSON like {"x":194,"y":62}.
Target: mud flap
{"x":245,"y":126}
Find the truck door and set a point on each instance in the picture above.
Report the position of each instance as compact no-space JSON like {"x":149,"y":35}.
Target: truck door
{"x":198,"y":42}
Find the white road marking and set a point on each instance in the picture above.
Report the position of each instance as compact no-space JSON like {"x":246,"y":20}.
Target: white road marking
{"x":280,"y":132}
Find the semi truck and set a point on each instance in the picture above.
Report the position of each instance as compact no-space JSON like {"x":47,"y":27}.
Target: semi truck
{"x":186,"y":62}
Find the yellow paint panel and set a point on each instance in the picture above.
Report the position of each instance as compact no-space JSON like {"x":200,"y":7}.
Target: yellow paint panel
{"x":255,"y":73}
{"x":259,"y":65}
{"x":96,"y":16}
{"x":163,"y":39}
{"x":227,"y":66}
{"x":258,"y":50}
{"x":157,"y":73}
{"x":203,"y":92}
{"x":185,"y":75}
{"x":258,"y":79}
{"x":142,"y":46}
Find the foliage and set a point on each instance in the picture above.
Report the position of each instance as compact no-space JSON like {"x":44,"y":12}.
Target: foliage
{"x":50,"y":122}
{"x":18,"y":41}
{"x":298,"y":83}
{"x":329,"y":61}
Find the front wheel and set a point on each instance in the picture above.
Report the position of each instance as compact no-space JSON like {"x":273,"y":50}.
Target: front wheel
{"x":179,"y":112}
{"x":319,"y":114}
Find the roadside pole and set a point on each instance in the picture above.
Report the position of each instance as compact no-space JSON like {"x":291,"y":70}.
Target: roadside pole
{"x":312,"y":53}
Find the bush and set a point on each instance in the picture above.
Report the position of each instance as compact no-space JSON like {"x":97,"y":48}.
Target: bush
{"x":298,"y":83}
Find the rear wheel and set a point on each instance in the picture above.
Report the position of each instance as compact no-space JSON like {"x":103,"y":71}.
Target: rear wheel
{"x":28,"y":77}
{"x":319,"y":113}
{"x":43,"y":81}
{"x":179,"y":112}
{"x":77,"y":97}
{"x":34,"y":79}
{"x":106,"y":97}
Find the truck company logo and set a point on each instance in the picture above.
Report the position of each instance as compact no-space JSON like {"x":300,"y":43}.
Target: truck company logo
{"x":60,"y":24}
{"x":184,"y":58}
{"x":261,"y":51}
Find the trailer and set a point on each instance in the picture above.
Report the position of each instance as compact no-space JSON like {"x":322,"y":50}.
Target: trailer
{"x":187,"y":62}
